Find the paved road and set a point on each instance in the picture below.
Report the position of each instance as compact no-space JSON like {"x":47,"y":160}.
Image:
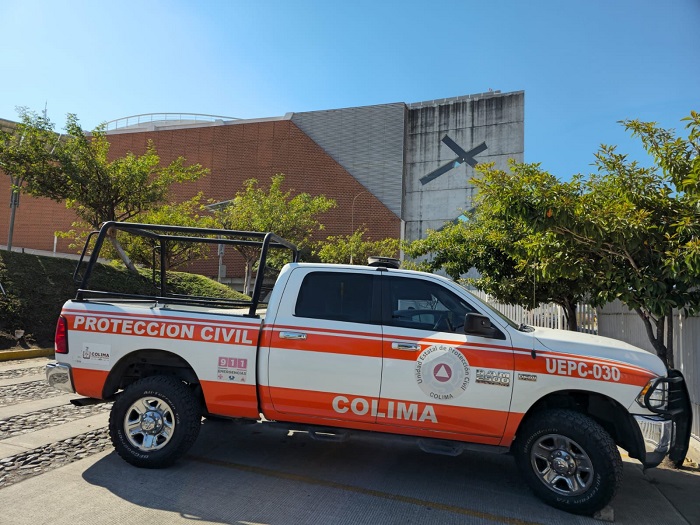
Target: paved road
{"x":57,"y":466}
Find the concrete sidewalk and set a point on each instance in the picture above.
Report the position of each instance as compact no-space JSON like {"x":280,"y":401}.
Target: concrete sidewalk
{"x":680,"y":487}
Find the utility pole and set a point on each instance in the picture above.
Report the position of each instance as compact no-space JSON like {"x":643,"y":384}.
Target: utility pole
{"x":15,"y":187}
{"x":15,"y":184}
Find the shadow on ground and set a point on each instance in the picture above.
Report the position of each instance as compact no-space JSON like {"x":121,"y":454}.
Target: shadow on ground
{"x":253,"y":473}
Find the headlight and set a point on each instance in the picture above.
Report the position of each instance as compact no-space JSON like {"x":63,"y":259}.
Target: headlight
{"x":654,"y":396}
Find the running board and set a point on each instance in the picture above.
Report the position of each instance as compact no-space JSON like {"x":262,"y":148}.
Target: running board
{"x":455,"y":448}
{"x":85,"y":401}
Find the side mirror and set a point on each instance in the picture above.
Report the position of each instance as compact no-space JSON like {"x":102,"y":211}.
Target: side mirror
{"x":477,"y":324}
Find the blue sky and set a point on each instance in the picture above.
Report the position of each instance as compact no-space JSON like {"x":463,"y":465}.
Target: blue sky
{"x":583,"y":65}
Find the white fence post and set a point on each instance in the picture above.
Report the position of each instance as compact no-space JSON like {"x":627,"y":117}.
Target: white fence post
{"x":545,"y":315}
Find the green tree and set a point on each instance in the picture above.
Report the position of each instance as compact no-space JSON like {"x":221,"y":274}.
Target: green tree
{"x":191,"y":213}
{"x":632,"y":226}
{"x":513,"y":261}
{"x":294,"y":218}
{"x":349,"y":249}
{"x":99,"y":189}
{"x":680,"y":161}
{"x":27,"y":152}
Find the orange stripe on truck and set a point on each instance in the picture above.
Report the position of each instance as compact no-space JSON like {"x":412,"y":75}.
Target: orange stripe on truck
{"x":89,"y":383}
{"x":329,"y":343}
{"x":160,"y":316}
{"x":164,"y":328}
{"x":514,"y":420}
{"x":366,"y":345}
{"x":385,"y":415}
{"x":583,"y":368}
{"x":228,"y":399}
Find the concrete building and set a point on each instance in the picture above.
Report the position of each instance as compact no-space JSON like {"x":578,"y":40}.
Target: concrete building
{"x":396,"y":169}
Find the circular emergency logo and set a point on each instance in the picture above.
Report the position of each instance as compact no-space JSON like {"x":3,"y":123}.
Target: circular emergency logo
{"x":442,"y":372}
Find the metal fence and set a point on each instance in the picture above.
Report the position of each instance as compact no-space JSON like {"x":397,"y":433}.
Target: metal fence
{"x":545,"y":315}
{"x":619,"y":322}
{"x":147,"y":118}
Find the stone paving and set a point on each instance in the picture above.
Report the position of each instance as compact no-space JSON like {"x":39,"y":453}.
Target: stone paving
{"x":42,"y":459}
{"x":50,"y":417}
{"x":21,"y":372}
{"x":53,"y":455}
{"x":13,"y":394}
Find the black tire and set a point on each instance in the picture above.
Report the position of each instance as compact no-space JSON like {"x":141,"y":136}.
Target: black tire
{"x":568,"y":460}
{"x":154,"y":421}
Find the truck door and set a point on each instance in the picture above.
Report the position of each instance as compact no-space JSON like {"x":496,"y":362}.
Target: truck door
{"x":435,"y":377}
{"x":325,"y":347}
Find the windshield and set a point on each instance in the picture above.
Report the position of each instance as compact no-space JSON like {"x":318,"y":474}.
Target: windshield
{"x":491,"y":308}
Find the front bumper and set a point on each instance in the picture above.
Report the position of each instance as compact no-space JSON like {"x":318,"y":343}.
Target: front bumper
{"x":60,"y":376}
{"x":657,"y":434}
{"x":667,"y":432}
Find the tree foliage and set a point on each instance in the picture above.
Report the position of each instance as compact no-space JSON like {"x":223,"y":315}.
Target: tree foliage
{"x":76,"y":168}
{"x":634,"y":228}
{"x":27,"y":151}
{"x":354,"y":249}
{"x":27,"y":148}
{"x":293,"y":217}
{"x":511,"y":258}
{"x":679,"y":159}
{"x":191,"y":213}
{"x":625,"y":232}
{"x":100,"y":189}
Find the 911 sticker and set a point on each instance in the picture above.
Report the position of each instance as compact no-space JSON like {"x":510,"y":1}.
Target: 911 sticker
{"x":565,"y":367}
{"x":232,"y":369}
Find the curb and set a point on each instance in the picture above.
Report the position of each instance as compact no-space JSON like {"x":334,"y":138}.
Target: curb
{"x":8,"y":355}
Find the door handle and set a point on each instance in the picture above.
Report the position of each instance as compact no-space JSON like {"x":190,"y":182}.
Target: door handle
{"x":398,"y":345}
{"x":298,"y":336}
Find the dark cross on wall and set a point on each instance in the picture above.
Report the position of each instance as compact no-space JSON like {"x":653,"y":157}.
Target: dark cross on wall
{"x":462,"y":156}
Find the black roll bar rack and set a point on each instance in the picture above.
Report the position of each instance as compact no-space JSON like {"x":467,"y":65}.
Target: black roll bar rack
{"x":162,"y":234}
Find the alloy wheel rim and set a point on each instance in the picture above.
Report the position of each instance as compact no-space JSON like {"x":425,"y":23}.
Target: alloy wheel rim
{"x":149,"y":424}
{"x":562,"y":465}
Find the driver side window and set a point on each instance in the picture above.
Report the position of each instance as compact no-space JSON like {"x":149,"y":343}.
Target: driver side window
{"x":423,"y":305}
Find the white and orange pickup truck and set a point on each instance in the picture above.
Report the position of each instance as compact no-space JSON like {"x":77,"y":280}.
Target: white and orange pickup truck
{"x":366,"y":348}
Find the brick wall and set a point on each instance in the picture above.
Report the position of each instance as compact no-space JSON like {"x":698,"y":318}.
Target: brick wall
{"x":233,"y":154}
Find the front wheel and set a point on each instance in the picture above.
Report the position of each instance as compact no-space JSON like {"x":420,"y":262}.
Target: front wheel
{"x":569,"y":461}
{"x":154,"y":421}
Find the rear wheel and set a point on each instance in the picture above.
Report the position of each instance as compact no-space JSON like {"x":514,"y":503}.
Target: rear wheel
{"x":569,"y":461}
{"x":154,"y":421}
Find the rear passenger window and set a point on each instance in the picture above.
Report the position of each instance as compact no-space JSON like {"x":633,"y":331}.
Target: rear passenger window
{"x":336,"y":296}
